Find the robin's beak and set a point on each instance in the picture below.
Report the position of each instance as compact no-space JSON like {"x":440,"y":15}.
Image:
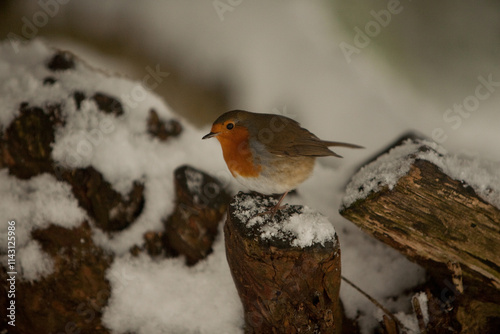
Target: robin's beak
{"x":210,"y":135}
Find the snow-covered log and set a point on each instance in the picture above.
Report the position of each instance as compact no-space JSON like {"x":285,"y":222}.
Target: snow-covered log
{"x":286,"y":269}
{"x":442,"y":212}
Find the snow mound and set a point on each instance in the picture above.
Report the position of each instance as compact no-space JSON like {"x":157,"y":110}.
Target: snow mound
{"x":34,"y":204}
{"x":161,"y":295}
{"x":167,"y":296}
{"x":483,"y":176}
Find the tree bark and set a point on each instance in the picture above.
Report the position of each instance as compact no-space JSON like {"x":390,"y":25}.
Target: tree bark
{"x":283,"y":288}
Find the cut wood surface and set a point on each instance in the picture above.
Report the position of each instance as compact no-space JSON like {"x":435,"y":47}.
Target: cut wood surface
{"x":283,"y":288}
{"x":435,"y":220}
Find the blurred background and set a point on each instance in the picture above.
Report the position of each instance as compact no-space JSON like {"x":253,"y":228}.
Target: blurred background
{"x":358,"y":71}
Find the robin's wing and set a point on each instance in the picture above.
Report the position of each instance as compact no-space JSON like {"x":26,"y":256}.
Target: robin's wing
{"x":283,"y":136}
{"x":293,"y":140}
{"x":312,"y":147}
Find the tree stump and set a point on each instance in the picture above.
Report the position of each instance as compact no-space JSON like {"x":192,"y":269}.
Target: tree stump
{"x":286,"y":269}
{"x":412,"y":198}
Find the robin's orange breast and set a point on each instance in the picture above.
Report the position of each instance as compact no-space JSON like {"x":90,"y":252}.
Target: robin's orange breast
{"x":237,"y":153}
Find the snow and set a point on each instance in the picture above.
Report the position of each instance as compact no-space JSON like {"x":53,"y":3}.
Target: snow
{"x":310,"y":228}
{"x":385,"y":171}
{"x":299,"y":229}
{"x":483,"y":176}
{"x":35,"y":204}
{"x":194,"y":181}
{"x":410,"y":321}
{"x":423,"y":301}
{"x":307,"y":228}
{"x":34,"y":263}
{"x":249,"y":208}
{"x":279,"y":56}
{"x":166,"y":296}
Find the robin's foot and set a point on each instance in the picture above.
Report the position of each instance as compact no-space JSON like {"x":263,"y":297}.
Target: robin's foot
{"x":275,"y":208}
{"x":272,"y":211}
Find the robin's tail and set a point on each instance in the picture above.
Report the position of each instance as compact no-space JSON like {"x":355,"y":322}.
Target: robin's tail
{"x":339,"y":144}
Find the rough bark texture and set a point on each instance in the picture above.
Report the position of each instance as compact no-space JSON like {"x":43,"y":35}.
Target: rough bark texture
{"x":284,"y":289}
{"x":200,"y":204}
{"x":443,"y":225}
{"x":72,"y":298}
{"x":25,"y":144}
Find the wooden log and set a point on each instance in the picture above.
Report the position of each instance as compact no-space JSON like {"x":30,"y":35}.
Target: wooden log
{"x":200,"y":205}
{"x":435,"y":220}
{"x":287,"y":279}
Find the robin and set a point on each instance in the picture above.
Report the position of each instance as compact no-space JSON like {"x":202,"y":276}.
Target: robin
{"x":267,"y":153}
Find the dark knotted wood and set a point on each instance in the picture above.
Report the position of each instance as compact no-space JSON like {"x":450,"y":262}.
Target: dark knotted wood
{"x":283,"y":288}
{"x":199,"y":207}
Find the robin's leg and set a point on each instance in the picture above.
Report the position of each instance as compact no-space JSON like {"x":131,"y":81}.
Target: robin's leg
{"x":275,"y":208}
{"x":278,"y":205}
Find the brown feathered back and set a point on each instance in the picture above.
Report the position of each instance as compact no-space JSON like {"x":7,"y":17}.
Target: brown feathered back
{"x":284,"y":136}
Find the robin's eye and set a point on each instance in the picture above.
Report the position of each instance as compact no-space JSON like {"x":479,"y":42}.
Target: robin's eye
{"x":230,"y":126}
